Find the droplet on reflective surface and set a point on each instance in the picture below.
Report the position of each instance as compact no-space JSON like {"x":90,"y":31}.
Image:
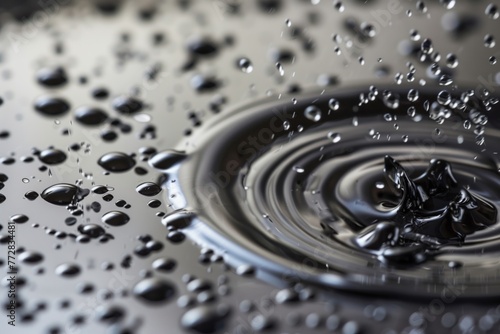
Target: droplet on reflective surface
{"x":166,"y":159}
{"x":281,"y":71}
{"x":51,"y":106}
{"x":451,"y":60}
{"x":313,"y":113}
{"x":127,"y":105}
{"x":412,"y":95}
{"x":63,"y":194}
{"x":90,"y":116}
{"x":334,"y":136}
{"x":489,"y":41}
{"x":68,"y":270}
{"x":154,"y":290}
{"x":116,"y":162}
{"x":148,"y":189}
{"x":427,"y":46}
{"x":338,"y":5}
{"x":52,"y":77}
{"x":245,"y":65}
{"x":52,"y":156}
{"x":492,"y":11}
{"x":448,"y":4}
{"x":115,"y":218}
{"x":30,"y":257}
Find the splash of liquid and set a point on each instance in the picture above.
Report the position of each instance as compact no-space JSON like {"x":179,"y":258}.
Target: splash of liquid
{"x":427,"y":212}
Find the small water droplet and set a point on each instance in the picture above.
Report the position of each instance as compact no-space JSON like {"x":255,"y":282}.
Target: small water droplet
{"x":313,"y":113}
{"x":489,"y":41}
{"x":426,"y":46}
{"x":339,"y":6}
{"x":245,"y":65}
{"x":281,"y":71}
{"x":492,"y":11}
{"x":413,"y":95}
{"x":451,"y":60}
{"x":334,"y":136}
{"x":333,"y":104}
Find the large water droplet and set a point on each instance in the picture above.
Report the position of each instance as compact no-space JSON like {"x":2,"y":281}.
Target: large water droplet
{"x":90,"y":115}
{"x":52,"y":77}
{"x":51,"y":106}
{"x":68,"y":270}
{"x":61,"y":194}
{"x":154,"y":290}
{"x":205,"y":319}
{"x":148,"y":189}
{"x":52,"y":156}
{"x":127,"y":105}
{"x":116,"y":162}
{"x":115,"y":218}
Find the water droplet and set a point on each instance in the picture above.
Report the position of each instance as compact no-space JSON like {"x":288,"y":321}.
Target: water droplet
{"x":448,"y":4}
{"x":339,"y":6}
{"x":492,"y":11}
{"x":426,"y":46}
{"x":451,"y":60}
{"x":51,"y":106}
{"x":116,"y":162}
{"x":68,"y":270}
{"x":63,"y":194}
{"x":154,"y":290}
{"x":202,"y":46}
{"x":19,"y":219}
{"x":298,"y":169}
{"x":445,"y":80}
{"x":115,"y":218}
{"x":164,"y":265}
{"x":205,"y":319}
{"x":148,"y":189}
{"x":414,"y":35}
{"x":493,"y":60}
{"x":368,"y":29}
{"x":413,"y":95}
{"x":52,"y":77}
{"x":281,"y":71}
{"x":127,"y":105}
{"x":421,"y":6}
{"x":90,"y":116}
{"x":52,"y":156}
{"x":444,"y":97}
{"x":30,"y":257}
{"x":333,"y":104}
{"x":334,"y":136}
{"x":489,"y":41}
{"x":313,"y":113}
{"x":245,"y":65}
{"x":166,"y":159}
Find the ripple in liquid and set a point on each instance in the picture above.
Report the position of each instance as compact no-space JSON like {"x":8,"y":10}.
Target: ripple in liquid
{"x":270,"y":184}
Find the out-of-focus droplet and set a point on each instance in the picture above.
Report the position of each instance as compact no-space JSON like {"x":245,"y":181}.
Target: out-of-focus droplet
{"x":245,"y":65}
